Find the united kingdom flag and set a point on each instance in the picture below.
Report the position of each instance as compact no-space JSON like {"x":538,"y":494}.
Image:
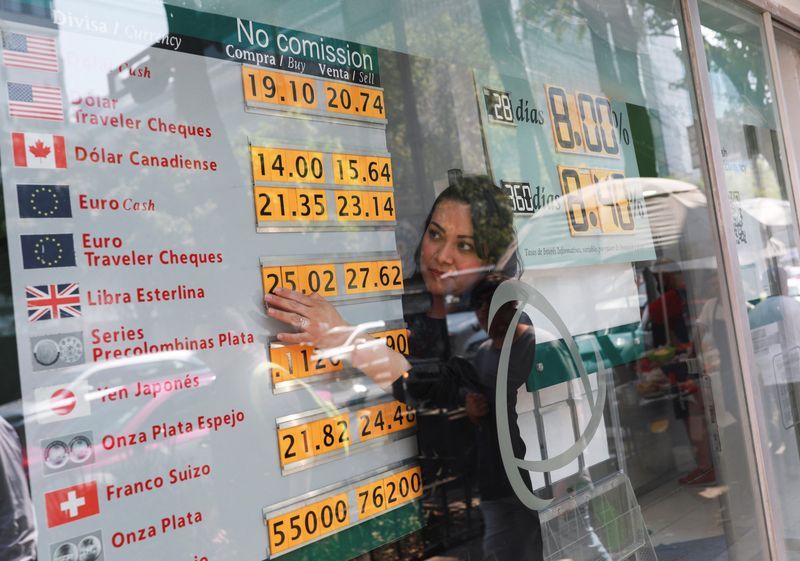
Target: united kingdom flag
{"x":53,"y":301}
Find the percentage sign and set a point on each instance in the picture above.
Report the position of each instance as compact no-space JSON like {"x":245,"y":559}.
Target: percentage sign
{"x":623,"y":133}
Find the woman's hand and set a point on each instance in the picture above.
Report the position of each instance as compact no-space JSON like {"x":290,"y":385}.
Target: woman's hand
{"x":318,"y":322}
{"x":320,"y":325}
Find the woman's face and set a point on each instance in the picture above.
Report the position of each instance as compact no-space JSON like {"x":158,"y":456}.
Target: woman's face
{"x":449,"y":263}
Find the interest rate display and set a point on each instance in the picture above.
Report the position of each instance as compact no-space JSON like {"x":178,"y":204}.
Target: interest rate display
{"x":596,"y":201}
{"x":583,"y":123}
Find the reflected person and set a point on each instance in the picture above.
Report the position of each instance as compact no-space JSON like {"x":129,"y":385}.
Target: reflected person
{"x":511,"y":530}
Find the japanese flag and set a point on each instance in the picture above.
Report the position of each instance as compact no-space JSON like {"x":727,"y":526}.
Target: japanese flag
{"x":59,"y":403}
{"x":71,"y":503}
{"x":36,"y":150}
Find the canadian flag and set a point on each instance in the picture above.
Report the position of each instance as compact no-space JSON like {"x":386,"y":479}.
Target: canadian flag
{"x":35,"y":150}
{"x":71,"y":503}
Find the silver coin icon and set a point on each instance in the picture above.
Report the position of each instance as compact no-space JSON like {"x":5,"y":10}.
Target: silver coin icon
{"x":89,"y":548}
{"x":46,"y":352}
{"x":80,"y":449}
{"x":71,"y":348}
{"x":56,"y":454}
{"x":66,"y":552}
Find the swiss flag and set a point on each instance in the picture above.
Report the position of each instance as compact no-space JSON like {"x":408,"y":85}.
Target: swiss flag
{"x":71,"y":503}
{"x":35,"y":150}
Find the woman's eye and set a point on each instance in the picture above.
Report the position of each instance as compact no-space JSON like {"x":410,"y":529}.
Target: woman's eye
{"x":465,"y":246}
{"x":434,"y":234}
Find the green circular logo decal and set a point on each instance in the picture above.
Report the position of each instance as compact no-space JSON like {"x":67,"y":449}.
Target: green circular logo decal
{"x":517,"y":291}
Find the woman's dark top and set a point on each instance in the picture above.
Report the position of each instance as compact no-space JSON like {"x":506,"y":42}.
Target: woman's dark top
{"x":439,"y":380}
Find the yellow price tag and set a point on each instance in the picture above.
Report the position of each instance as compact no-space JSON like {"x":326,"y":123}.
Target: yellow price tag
{"x":290,"y":278}
{"x":396,"y":339}
{"x":615,"y":205}
{"x":320,"y":278}
{"x":278,"y":204}
{"x":398,"y":416}
{"x":331,"y":434}
{"x":294,"y":444}
{"x":259,"y":157}
{"x":348,"y":205}
{"x":339,"y":98}
{"x":251,"y":83}
{"x":268,"y":86}
{"x":287,"y":165}
{"x":409,"y":484}
{"x":371,"y":499}
{"x":364,"y":205}
{"x":373,"y":276}
{"x":386,"y":204}
{"x":299,"y":361}
{"x":377,"y":170}
{"x":389,"y":274}
{"x":299,"y":526}
{"x":311,"y":205}
{"x":307,"y":364}
{"x":580,"y":205}
{"x":359,"y":277}
{"x":280,"y":363}
{"x":371,"y":102}
{"x":271,"y":278}
{"x":371,"y":422}
{"x":596,"y":202}
{"x":296,"y":91}
{"x":351,"y":169}
{"x":354,"y":100}
{"x":313,"y":439}
{"x":347,"y":169}
{"x":564,"y":120}
{"x":277,"y":529}
{"x":334,"y":513}
{"x":392,"y":488}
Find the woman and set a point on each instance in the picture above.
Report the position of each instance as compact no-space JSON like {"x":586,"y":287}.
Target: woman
{"x":468,"y":233}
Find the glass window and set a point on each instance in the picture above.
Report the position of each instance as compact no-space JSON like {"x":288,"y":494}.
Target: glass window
{"x":788,"y":44}
{"x":765,"y":228}
{"x":368,"y":280}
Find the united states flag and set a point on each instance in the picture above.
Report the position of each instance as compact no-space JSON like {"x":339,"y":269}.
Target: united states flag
{"x":53,"y":301}
{"x":29,"y":51}
{"x":35,"y":102}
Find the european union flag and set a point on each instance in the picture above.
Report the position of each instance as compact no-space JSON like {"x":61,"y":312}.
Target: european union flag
{"x":44,"y":201}
{"x":45,"y":251}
